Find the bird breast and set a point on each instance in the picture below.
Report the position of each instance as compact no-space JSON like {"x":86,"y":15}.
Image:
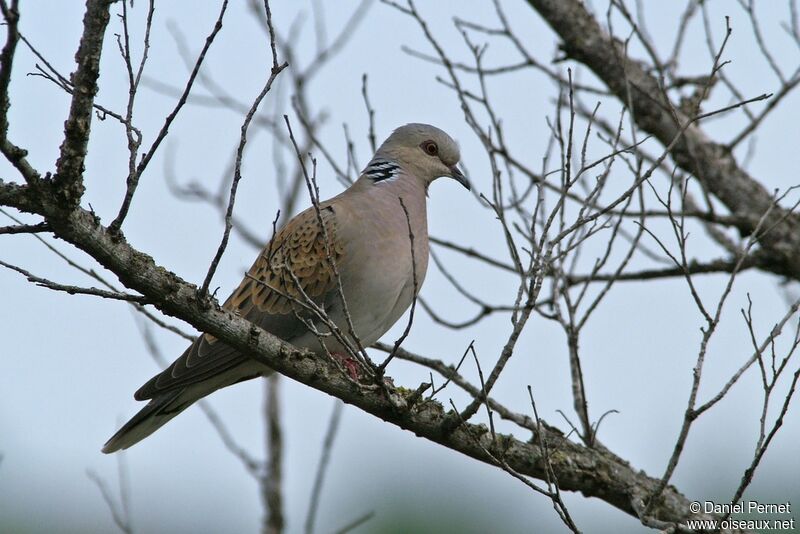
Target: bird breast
{"x":378,"y":277}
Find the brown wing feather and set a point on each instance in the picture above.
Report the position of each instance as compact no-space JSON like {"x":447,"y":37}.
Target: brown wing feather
{"x":297,"y":255}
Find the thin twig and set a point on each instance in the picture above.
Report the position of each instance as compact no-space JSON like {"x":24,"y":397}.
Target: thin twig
{"x":119,"y":512}
{"x":76,"y":290}
{"x":237,"y":173}
{"x":415,"y":287}
{"x":322,"y":465}
{"x":355,"y":523}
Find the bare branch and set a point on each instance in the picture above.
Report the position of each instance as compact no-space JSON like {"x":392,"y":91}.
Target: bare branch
{"x":14,"y":154}
{"x":237,"y":173}
{"x":119,"y":512}
{"x":585,"y":41}
{"x":322,"y":466}
{"x":415,"y":286}
{"x":272,"y":480}
{"x":75,"y":290}
{"x":69,"y":167}
{"x":25,"y":228}
{"x":133,"y":178}
{"x":356,"y":523}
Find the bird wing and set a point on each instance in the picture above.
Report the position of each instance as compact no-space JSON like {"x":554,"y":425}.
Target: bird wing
{"x":295,"y":262}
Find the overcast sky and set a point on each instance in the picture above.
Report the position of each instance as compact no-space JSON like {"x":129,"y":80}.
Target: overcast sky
{"x":70,"y":364}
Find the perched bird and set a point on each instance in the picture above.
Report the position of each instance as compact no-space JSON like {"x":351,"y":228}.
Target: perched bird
{"x":366,"y":234}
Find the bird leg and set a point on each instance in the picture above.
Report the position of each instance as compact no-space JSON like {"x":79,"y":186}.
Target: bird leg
{"x":348,"y":362}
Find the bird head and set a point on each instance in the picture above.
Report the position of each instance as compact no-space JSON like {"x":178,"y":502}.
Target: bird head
{"x":423,"y":151}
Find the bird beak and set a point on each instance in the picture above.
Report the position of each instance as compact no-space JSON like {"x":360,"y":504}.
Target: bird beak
{"x":458,"y":176}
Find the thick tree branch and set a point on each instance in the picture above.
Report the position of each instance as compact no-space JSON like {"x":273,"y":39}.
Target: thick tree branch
{"x":18,"y":196}
{"x":69,"y":167}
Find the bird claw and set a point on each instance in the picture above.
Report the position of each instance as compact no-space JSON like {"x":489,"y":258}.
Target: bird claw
{"x":349,"y":364}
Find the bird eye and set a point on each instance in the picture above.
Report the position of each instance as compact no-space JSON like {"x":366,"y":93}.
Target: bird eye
{"x":430,"y":148}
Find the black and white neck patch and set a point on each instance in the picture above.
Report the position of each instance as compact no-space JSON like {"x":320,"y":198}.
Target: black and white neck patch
{"x":382,"y":170}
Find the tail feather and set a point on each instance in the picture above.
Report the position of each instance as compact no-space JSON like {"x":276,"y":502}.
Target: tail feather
{"x":167,"y":404}
{"x":153,"y":416}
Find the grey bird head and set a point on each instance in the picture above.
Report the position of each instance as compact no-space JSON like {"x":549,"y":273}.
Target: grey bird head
{"x":423,"y":151}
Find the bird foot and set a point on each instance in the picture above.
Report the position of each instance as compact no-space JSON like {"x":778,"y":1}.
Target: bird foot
{"x":349,"y":364}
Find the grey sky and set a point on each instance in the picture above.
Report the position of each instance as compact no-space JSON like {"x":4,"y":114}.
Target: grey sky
{"x":71,"y":364}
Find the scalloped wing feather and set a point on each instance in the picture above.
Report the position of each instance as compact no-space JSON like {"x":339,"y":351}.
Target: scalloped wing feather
{"x":294,"y":262}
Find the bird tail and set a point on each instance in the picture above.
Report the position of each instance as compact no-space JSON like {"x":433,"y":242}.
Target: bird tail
{"x":153,"y":416}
